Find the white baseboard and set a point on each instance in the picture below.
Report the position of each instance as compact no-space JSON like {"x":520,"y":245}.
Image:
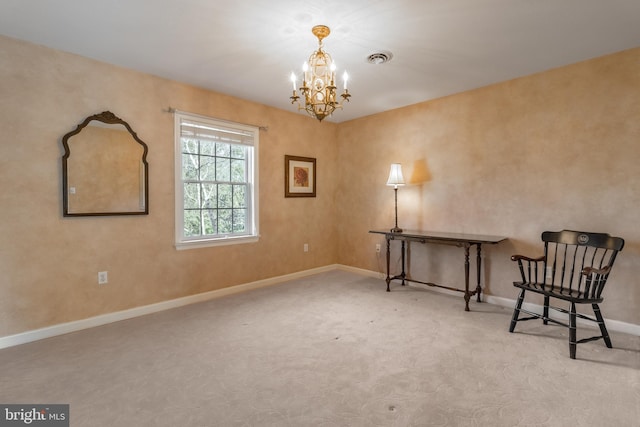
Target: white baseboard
{"x":361,"y":271}
{"x":612,"y":325}
{"x":65,"y":328}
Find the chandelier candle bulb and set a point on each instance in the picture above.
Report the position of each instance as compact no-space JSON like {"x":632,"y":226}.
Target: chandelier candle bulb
{"x":345,"y":77}
{"x":293,"y":80}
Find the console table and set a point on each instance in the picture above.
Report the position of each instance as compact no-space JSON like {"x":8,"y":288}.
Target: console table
{"x":455,"y":239}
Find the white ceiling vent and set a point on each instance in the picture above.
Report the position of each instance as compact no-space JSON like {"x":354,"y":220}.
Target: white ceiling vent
{"x":379,"y":58}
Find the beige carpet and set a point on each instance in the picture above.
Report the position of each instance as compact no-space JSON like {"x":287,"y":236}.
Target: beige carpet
{"x":332,"y":349}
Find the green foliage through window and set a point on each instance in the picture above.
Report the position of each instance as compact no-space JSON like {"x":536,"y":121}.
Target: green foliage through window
{"x":216,"y":178}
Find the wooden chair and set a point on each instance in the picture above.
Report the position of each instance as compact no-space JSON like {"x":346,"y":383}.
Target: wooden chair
{"x":574,"y":268}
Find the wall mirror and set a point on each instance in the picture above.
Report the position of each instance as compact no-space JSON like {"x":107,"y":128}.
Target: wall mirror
{"x":104,"y":169}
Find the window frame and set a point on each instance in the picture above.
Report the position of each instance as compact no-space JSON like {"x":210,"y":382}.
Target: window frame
{"x":252,"y":235}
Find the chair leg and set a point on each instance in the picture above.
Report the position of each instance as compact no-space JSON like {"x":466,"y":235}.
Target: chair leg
{"x":516,"y":311}
{"x":572,"y":331}
{"x":603,"y":328}
{"x":545,"y":311}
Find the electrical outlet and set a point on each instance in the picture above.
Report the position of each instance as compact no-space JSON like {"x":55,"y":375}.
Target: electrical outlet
{"x":103,"y":278}
{"x":378,"y":248}
{"x":305,"y":248}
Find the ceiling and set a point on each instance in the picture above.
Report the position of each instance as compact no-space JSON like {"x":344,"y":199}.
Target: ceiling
{"x":248,"y":48}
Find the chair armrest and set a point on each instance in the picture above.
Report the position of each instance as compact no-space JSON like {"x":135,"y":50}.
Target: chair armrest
{"x":526,"y":258}
{"x":591,"y":270}
{"x":530,"y":274}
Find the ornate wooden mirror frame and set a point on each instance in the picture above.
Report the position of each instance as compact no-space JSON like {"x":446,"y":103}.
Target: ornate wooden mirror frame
{"x":108,"y":173}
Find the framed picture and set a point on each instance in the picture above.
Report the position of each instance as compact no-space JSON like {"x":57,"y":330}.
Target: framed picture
{"x":299,"y":176}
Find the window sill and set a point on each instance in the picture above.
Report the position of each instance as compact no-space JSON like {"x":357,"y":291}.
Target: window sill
{"x":222,"y":241}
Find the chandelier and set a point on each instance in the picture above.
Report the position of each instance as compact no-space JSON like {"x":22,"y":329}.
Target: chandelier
{"x":318,"y":83}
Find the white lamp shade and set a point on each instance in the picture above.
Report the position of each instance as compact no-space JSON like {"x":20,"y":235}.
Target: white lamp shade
{"x":395,"y":175}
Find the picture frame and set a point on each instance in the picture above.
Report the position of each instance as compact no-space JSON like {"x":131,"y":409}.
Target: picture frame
{"x":299,"y":176}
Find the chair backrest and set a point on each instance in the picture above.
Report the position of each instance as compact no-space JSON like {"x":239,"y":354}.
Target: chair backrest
{"x":568,"y":253}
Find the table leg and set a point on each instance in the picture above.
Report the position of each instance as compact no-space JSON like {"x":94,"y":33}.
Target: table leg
{"x":479,"y":269}
{"x":467,"y":294}
{"x":403,"y":275}
{"x":388,"y":263}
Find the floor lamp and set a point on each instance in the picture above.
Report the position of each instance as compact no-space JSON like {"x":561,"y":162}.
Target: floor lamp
{"x":396,"y":179}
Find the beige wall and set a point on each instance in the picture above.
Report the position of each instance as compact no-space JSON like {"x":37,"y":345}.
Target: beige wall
{"x":556,"y":150}
{"x":550,"y":151}
{"x":49,"y":264}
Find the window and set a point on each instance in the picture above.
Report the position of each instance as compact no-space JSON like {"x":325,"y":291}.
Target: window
{"x":216,"y":182}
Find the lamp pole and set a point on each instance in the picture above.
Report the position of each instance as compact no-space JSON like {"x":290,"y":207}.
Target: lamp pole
{"x":396,"y":229}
